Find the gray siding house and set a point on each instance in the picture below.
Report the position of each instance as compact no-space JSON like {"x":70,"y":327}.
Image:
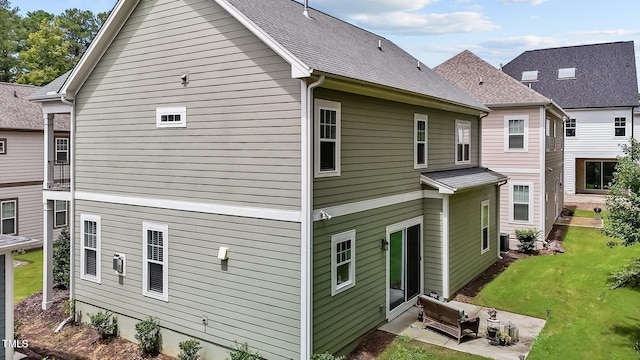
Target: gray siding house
{"x":269,"y":174}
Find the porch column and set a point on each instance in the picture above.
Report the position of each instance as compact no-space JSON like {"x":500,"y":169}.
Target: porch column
{"x":47,"y":246}
{"x":49,"y":150}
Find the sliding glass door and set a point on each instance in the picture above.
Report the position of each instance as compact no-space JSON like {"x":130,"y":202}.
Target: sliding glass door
{"x":404,"y":265}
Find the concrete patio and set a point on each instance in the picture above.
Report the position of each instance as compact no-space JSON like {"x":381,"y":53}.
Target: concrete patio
{"x":529,"y":327}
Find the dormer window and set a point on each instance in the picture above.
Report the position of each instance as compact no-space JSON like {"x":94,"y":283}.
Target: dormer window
{"x":530,"y":75}
{"x":566,"y":73}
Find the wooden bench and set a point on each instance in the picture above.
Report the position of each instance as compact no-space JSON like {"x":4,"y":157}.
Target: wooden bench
{"x":447,"y":318}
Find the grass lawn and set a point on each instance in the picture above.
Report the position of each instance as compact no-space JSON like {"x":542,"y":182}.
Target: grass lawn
{"x":405,"y":348}
{"x":588,"y":321}
{"x":587,"y":213}
{"x":28,"y":278}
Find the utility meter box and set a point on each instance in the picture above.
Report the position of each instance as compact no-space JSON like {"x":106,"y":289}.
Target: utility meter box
{"x":119,"y":264}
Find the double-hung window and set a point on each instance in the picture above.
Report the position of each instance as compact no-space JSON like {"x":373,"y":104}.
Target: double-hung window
{"x":516,"y":129}
{"x":420,"y":139}
{"x":484,"y":231}
{"x":521,"y":201}
{"x":463,"y":142}
{"x":327,"y":138}
{"x":570,"y":128}
{"x":620,"y":126}
{"x":3,"y":146}
{"x":155,"y":260}
{"x":60,"y":213}
{"x":62,"y":150}
{"x":90,"y":229}
{"x":9,"y":217}
{"x":343,"y":261}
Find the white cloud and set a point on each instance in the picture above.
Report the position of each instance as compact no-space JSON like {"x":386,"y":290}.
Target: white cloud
{"x":521,"y":42}
{"x":405,"y":23}
{"x":532,"y":2}
{"x":351,"y":7}
{"x":616,"y":32}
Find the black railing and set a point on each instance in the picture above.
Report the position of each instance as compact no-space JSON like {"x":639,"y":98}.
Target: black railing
{"x":59,"y":175}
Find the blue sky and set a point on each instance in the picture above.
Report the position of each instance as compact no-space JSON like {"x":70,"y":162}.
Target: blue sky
{"x":435,"y":30}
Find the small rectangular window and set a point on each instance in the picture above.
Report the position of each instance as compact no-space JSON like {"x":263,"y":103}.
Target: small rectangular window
{"x":484,"y":232}
{"x":155,"y":258}
{"x":620,"y":126}
{"x":343,"y":263}
{"x":516,"y":128}
{"x":90,"y":228}
{"x":570,"y":128}
{"x":520,"y":202}
{"x":420,"y":139}
{"x":62,"y":150}
{"x":463,"y":142}
{"x":171,"y":116}
{"x":9,"y":217}
{"x":60,"y":213}
{"x":3,"y":146}
{"x":567,"y":73}
{"x":530,"y":75}
{"x":327,"y":138}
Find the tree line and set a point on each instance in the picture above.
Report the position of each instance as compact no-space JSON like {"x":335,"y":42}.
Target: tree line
{"x":40,"y":46}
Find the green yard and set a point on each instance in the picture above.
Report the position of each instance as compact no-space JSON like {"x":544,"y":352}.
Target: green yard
{"x":587,"y":321}
{"x":28,"y":278}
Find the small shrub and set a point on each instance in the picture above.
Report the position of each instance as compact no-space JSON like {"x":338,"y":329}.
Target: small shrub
{"x":69,"y":307}
{"x":242,"y":352}
{"x":189,"y":349}
{"x":148,"y":336}
{"x":105,"y":323}
{"x":628,"y":275}
{"x":326,"y":356}
{"x":527,"y":239}
{"x":62,"y":259}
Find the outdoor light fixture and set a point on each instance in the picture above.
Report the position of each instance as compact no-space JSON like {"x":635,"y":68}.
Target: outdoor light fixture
{"x":384,"y":244}
{"x":324,"y":215}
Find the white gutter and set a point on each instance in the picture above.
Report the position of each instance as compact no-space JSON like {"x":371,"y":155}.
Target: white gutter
{"x":306,"y":248}
{"x":72,"y":206}
{"x":543,"y":169}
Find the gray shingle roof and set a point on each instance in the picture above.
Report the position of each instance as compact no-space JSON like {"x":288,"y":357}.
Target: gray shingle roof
{"x":485,"y":82}
{"x":450,"y":181}
{"x":332,"y":46}
{"x":12,"y":242}
{"x":605,"y":74}
{"x":19,"y":113}
{"x":51,"y":90}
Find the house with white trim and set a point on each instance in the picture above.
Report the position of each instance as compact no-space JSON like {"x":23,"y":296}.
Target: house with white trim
{"x":597,"y":86}
{"x":521,"y":138}
{"x":262,"y":172}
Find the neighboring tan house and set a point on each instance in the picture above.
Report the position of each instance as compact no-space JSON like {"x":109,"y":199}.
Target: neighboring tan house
{"x":521,"y":138}
{"x":21,"y":161}
{"x":597,"y":86}
{"x":268,"y":174}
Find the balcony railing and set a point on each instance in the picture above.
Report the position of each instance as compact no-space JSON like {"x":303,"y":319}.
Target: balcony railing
{"x":59,"y":175}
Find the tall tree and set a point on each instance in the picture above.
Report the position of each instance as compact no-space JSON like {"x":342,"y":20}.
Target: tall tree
{"x":47,"y":55}
{"x":8,"y":40}
{"x":80,"y":27}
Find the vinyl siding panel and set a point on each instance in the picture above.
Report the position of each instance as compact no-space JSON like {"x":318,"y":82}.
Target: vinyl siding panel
{"x":466,"y":261}
{"x":24,"y":158}
{"x":494,"y":140}
{"x":377,"y":148}
{"x":3,"y":299}
{"x":241,"y":145}
{"x":30,"y":210}
{"x":433,"y":217}
{"x":506,"y":225}
{"x":253,"y":298}
{"x":341,"y":319}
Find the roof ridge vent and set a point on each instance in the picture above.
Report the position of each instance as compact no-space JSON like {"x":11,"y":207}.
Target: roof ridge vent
{"x":380,"y":44}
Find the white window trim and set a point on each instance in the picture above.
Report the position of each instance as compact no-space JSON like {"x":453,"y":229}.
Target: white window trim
{"x":418,"y":118}
{"x":15,"y":215}
{"x":463,"y":123}
{"x":530,"y":75}
{"x":482,"y":206}
{"x":511,"y":203}
{"x":98,"y":220}
{"x":526,"y":133}
{"x":566,"y":73}
{"x":575,"y":128}
{"x":164,"y":228}
{"x":59,"y":151}
{"x":3,"y":146}
{"x":335,"y":239}
{"x":176,"y":110}
{"x":55,"y":213}
{"x":620,"y":127}
{"x":547,"y":130}
{"x":320,"y":104}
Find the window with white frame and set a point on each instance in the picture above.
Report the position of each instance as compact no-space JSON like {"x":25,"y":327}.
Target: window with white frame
{"x":343,"y":261}
{"x":570,"y":128}
{"x":155,"y":261}
{"x":463,"y":142}
{"x":547,"y":134}
{"x":90,"y":230}
{"x":484,"y":231}
{"x":521,"y":195}
{"x":3,"y":146}
{"x":9,"y":217}
{"x":566,"y":73}
{"x":516,"y":133}
{"x":171,"y":117}
{"x":530,"y":75}
{"x":62,"y":150}
{"x":420,"y":139}
{"x":327,"y":138}
{"x":60,"y":213}
{"x":620,"y":126}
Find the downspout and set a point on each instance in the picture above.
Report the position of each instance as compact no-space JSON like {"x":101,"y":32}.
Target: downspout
{"x":306,"y":261}
{"x":72,"y":217}
{"x":543,"y":171}
{"x":482,"y":116}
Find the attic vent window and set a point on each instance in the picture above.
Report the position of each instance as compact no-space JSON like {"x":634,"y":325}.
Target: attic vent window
{"x":567,"y":73}
{"x":171,"y":117}
{"x":530,"y":75}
